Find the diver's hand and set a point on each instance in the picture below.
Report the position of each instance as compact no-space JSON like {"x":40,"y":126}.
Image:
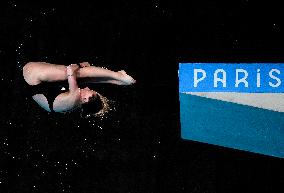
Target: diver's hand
{"x":72,"y":69}
{"x":125,"y":78}
{"x":85,"y":64}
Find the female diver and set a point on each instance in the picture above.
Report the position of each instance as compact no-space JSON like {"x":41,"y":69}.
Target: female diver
{"x":46,"y":84}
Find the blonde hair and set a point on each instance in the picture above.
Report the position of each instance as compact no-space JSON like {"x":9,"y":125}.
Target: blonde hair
{"x":107,"y":106}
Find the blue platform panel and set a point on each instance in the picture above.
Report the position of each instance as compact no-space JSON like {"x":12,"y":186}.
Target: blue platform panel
{"x":232,"y":125}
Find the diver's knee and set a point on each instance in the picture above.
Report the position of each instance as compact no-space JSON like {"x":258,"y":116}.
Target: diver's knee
{"x":27,"y":67}
{"x":29,"y":73}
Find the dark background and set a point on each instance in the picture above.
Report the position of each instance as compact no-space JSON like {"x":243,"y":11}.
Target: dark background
{"x":136,"y":147}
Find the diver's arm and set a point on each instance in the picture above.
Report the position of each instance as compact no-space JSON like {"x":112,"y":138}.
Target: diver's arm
{"x":66,"y":101}
{"x":71,"y":99}
{"x":71,"y":77}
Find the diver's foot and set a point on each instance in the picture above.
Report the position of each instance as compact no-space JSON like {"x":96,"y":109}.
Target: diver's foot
{"x":125,"y":78}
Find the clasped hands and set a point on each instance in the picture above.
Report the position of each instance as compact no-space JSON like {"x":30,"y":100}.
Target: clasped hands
{"x":73,"y":68}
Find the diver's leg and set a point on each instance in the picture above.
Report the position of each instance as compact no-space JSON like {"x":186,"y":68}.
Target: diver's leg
{"x":108,"y":76}
{"x":37,"y":72}
{"x":30,"y":75}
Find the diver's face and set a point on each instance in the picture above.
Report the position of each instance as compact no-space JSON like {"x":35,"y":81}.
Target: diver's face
{"x":87,"y":94}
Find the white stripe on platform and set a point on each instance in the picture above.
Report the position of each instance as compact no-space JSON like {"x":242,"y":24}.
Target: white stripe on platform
{"x":270,"y":101}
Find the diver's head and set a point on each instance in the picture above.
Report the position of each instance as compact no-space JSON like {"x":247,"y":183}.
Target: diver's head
{"x":92,"y":102}
{"x":87,"y":95}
